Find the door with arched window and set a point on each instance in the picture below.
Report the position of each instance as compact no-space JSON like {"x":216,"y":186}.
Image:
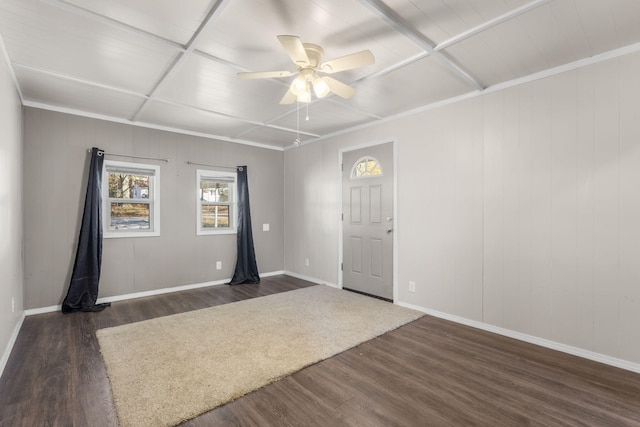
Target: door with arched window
{"x":367,"y":226}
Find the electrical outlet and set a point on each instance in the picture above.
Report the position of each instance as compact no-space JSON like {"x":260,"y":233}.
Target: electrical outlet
{"x":13,"y":304}
{"x":218,"y":265}
{"x":306,"y":262}
{"x":412,"y":286}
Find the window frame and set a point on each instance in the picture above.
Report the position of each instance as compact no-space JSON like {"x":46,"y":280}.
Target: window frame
{"x":365,"y":159}
{"x":153,"y":200}
{"x":228,"y":177}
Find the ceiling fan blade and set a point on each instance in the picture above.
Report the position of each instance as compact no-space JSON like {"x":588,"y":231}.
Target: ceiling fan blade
{"x":264,"y":74}
{"x":348,"y":62}
{"x":295,"y":49}
{"x":343,"y":90}
{"x":288,"y":98}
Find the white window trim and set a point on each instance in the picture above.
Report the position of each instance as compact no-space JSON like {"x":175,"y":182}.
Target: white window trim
{"x":155,"y":211}
{"x":233,"y":205}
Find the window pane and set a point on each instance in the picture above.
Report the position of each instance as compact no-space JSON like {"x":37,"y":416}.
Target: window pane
{"x":367,"y":166}
{"x":215,"y":216}
{"x":128,"y":186}
{"x":212,"y":191}
{"x":129,"y":216}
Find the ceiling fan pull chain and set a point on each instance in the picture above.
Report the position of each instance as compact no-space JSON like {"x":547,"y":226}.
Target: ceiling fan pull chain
{"x":297,"y":141}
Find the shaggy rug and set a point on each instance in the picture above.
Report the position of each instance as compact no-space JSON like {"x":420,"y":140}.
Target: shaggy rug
{"x":167,"y":370}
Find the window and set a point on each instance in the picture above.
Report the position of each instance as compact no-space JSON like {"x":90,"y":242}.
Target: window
{"x":216,"y":208}
{"x":130,"y":199}
{"x":366,"y":167}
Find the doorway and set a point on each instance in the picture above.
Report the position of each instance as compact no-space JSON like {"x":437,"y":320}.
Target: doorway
{"x":368,"y":220}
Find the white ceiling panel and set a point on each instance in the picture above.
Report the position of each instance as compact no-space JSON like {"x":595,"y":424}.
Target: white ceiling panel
{"x":47,"y":37}
{"x":608,"y":24}
{"x":159,"y":17}
{"x":421,"y":83}
{"x":190,"y":119}
{"x":216,"y":87}
{"x":323,"y":117}
{"x":549,"y":36}
{"x":64,"y":93}
{"x":175,"y":64}
{"x":442,"y":20}
{"x":275,"y":136}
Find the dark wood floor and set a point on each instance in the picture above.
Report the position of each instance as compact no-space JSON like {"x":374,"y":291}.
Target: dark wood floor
{"x":428,"y":373}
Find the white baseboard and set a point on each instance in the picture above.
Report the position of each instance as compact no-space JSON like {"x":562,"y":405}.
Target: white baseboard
{"x":10,"y":344}
{"x":310,"y":279}
{"x":135,"y":295}
{"x":597,"y":357}
{"x":586,"y":354}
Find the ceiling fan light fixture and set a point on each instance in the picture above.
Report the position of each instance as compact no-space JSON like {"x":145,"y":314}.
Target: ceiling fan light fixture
{"x":305,"y":96}
{"x":299,"y":85}
{"x":320,"y":87}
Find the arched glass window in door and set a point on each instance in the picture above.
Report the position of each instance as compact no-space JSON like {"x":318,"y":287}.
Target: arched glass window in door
{"x":366,"y":167}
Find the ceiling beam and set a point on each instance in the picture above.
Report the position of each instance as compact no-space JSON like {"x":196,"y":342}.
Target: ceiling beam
{"x":189,"y":48}
{"x":491,"y":23}
{"x":79,"y":80}
{"x":403,"y":27}
{"x":459,"y":38}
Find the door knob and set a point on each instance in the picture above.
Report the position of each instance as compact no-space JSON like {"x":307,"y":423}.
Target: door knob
{"x":389,"y":230}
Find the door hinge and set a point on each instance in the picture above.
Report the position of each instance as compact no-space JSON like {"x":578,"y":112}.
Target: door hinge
{"x":342,"y":215}
{"x":342,"y":167}
{"x":341,"y":266}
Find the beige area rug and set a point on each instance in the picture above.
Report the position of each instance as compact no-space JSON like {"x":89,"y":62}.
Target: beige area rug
{"x":167,"y":370}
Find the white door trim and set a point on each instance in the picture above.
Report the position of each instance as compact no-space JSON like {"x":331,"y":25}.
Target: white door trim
{"x":396,"y":218}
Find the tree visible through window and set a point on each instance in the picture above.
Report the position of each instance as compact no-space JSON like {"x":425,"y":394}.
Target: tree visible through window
{"x":216,"y":202}
{"x":366,"y":167}
{"x":131,"y":203}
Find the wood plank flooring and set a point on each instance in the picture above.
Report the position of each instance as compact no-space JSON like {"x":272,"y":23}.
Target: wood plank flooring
{"x":429,"y":373}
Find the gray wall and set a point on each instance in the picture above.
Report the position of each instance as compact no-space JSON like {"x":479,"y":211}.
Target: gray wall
{"x":56,"y":164}
{"x":518,"y":209}
{"x":11,"y":275}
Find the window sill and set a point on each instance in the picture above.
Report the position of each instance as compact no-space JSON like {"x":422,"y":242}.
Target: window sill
{"x":127,"y":234}
{"x":214,"y":233}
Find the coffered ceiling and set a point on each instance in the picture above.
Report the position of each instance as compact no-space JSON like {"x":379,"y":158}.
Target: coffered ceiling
{"x":173,"y":64}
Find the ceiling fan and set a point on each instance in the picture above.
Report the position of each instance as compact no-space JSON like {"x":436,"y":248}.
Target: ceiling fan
{"x":308,"y":58}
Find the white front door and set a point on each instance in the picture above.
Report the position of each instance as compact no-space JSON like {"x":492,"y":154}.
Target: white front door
{"x":367,"y":225}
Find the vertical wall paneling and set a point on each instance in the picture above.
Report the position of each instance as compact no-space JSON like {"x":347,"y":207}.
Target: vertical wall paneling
{"x":563,"y":209}
{"x":493,"y":249}
{"x":629,"y":207}
{"x":607,"y":207}
{"x":540,"y":206}
{"x":524,"y":285}
{"x":585,"y":171}
{"x":512,"y":205}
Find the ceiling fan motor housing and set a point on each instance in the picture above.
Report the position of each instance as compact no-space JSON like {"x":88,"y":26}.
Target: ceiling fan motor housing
{"x":314,"y":53}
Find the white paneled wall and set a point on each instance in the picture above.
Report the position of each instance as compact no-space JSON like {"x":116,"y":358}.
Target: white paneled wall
{"x":519,"y":208}
{"x":11,"y":277}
